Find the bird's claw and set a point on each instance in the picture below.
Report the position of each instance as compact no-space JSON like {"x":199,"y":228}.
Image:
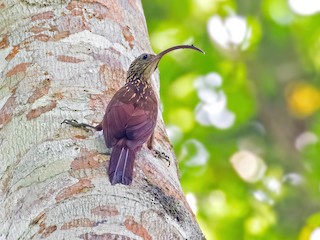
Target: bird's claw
{"x":163,"y":156}
{"x":76,"y":124}
{"x":70,"y":121}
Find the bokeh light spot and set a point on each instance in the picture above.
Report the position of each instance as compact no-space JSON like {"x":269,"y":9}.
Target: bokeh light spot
{"x":182,"y":87}
{"x":280,"y":12}
{"x":193,"y":153}
{"x":212,"y":109}
{"x":164,"y":38}
{"x":231,"y":32}
{"x":182,"y":117}
{"x":303,"y":99}
{"x":273,"y":184}
{"x":218,"y":203}
{"x":174,"y":133}
{"x":293,"y":179}
{"x":205,"y":5}
{"x":263,"y":197}
{"x":305,"y":139}
{"x":248,"y":166}
{"x":192,"y":201}
{"x":315,"y":235}
{"x":256,"y":225}
{"x":305,"y":7}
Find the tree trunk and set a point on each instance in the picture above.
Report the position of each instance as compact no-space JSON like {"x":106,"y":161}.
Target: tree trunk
{"x":62,"y":59}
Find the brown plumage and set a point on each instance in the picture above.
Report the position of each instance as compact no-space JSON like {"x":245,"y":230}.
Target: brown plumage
{"x":131,"y":116}
{"x":129,"y":121}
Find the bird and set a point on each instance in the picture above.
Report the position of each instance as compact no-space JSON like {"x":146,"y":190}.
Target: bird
{"x":131,"y":116}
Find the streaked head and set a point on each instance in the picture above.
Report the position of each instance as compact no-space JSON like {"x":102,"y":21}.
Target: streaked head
{"x":144,"y":65}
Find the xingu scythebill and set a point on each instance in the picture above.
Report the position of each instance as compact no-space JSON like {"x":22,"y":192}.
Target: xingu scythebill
{"x":131,"y":116}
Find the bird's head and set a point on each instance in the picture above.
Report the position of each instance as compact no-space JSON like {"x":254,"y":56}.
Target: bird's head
{"x":144,"y":65}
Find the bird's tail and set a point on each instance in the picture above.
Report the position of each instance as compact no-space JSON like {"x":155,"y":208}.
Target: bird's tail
{"x":121,"y":164}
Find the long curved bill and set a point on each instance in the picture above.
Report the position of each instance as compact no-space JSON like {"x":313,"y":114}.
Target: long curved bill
{"x":155,"y":61}
{"x":161,"y":54}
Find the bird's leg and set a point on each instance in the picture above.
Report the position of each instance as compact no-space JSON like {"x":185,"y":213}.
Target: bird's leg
{"x":162,"y":155}
{"x":85,"y":126}
{"x":150,"y":141}
{"x":157,"y":153}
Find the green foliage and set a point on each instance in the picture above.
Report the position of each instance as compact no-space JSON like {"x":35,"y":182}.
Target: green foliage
{"x":253,"y":172}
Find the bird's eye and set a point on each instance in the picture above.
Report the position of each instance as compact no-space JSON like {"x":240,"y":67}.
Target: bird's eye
{"x":145,"y":56}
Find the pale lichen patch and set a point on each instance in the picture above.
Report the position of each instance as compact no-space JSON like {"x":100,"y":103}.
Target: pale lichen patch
{"x":7,"y":108}
{"x":137,"y":228}
{"x":90,"y":167}
{"x":13,"y":52}
{"x":85,"y":160}
{"x":73,"y":24}
{"x":6,"y":179}
{"x":34,"y":113}
{"x":43,"y":3}
{"x":88,"y":37}
{"x":60,"y":35}
{"x":116,"y":75}
{"x":4,"y":42}
{"x":94,"y":236}
{"x":127,"y":34}
{"x":40,"y":91}
{"x":80,"y":136}
{"x":69,"y":59}
{"x":4,"y":100}
{"x":40,"y":174}
{"x":83,"y":185}
{"x":48,"y":231}
{"x":96,"y":102}
{"x":19,"y":68}
{"x":42,"y":37}
{"x":79,"y":222}
{"x":74,"y":5}
{"x":3,"y":54}
{"x":37,"y":29}
{"x":98,"y":11}
{"x":39,"y":217}
{"x":43,"y":16}
{"x":105,"y":211}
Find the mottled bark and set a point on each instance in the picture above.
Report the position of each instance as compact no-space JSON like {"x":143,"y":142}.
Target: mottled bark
{"x":63,"y":59}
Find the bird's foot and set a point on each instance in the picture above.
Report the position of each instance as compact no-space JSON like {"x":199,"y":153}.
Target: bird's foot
{"x":162,"y":155}
{"x":76,"y":124}
{"x":106,"y":153}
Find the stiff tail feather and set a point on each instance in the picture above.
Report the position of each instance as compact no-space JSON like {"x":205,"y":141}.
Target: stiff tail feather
{"x":121,"y":164}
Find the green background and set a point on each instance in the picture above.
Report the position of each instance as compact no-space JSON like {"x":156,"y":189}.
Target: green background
{"x":271,"y":84}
